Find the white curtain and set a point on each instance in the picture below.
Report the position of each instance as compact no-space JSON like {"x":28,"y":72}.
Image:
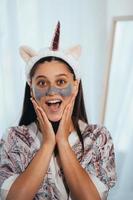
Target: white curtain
{"x":119,"y":112}
{"x":32,"y":22}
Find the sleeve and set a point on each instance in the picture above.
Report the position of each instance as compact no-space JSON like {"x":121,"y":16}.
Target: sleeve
{"x":9,"y":163}
{"x":99,"y":160}
{"x":6,"y":186}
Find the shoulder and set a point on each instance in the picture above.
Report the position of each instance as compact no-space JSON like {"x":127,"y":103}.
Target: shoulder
{"x":95,"y":132}
{"x":15,"y":134}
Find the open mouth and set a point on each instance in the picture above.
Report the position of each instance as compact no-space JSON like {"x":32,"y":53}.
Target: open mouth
{"x":54,"y":105}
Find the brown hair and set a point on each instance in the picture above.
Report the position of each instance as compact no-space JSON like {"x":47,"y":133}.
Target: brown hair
{"x":79,"y":112}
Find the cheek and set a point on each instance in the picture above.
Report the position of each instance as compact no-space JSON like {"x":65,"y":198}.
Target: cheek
{"x":38,"y":94}
{"x":66,"y":92}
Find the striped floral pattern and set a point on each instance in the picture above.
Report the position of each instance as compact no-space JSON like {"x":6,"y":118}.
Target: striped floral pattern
{"x":22,"y":143}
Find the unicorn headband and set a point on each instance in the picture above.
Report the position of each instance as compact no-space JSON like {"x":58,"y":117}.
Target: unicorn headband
{"x":71,"y":56}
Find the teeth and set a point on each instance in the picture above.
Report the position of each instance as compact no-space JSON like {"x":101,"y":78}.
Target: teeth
{"x":54,"y":101}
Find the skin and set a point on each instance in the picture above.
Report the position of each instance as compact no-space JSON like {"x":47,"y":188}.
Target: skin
{"x":76,"y":176}
{"x":60,"y":80}
{"x":46,"y":92}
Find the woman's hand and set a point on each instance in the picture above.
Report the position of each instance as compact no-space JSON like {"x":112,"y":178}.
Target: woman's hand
{"x":66,"y":122}
{"x":44,"y":124}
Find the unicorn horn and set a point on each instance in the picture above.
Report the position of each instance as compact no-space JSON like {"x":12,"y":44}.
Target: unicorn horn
{"x":55,"y":41}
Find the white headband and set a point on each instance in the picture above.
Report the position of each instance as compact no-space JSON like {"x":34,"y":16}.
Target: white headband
{"x":71,"y":56}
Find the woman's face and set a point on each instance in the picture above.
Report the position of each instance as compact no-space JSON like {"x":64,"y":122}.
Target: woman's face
{"x":52,"y":86}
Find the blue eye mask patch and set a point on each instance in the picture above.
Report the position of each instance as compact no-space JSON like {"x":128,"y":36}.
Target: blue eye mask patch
{"x":63,"y":92}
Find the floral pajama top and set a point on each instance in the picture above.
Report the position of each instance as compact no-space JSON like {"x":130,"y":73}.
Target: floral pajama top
{"x":22,"y":143}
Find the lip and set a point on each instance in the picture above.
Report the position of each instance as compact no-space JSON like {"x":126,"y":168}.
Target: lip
{"x":53,"y":100}
{"x":54,"y":105}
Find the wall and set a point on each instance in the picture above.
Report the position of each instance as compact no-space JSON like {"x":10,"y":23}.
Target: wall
{"x":118,"y":8}
{"x":114,"y":9}
{"x":32,"y":23}
{"x":94,"y":48}
{"x":123,"y":188}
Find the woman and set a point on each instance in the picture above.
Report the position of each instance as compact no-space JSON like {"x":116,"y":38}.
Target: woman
{"x":54,"y":153}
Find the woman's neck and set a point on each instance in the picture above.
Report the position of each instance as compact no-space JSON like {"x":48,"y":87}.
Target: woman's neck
{"x":55,"y":126}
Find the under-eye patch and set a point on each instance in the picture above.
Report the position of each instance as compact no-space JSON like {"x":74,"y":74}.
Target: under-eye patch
{"x":63,"y":92}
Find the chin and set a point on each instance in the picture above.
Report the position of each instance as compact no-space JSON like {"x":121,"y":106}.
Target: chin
{"x":54,"y":118}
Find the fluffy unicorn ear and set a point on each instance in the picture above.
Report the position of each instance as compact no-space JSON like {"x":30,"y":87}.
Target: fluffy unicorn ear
{"x":27,"y":53}
{"x":74,"y":51}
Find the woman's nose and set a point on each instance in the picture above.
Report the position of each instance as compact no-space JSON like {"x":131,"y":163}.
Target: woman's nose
{"x":52,"y":91}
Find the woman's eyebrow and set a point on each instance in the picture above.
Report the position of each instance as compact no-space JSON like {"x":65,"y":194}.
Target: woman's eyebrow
{"x":61,"y":75}
{"x":41,"y":76}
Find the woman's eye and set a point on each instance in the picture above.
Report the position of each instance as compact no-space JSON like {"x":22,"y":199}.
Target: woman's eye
{"x":61,"y":82}
{"x":41,"y":83}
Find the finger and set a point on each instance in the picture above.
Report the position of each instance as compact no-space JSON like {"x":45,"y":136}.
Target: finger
{"x":34,"y":102}
{"x":38,"y":111}
{"x":66,"y":117}
{"x":42,"y":114}
{"x":37,"y":107}
{"x":42,"y":117}
{"x":73,"y":101}
{"x":70,"y":106}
